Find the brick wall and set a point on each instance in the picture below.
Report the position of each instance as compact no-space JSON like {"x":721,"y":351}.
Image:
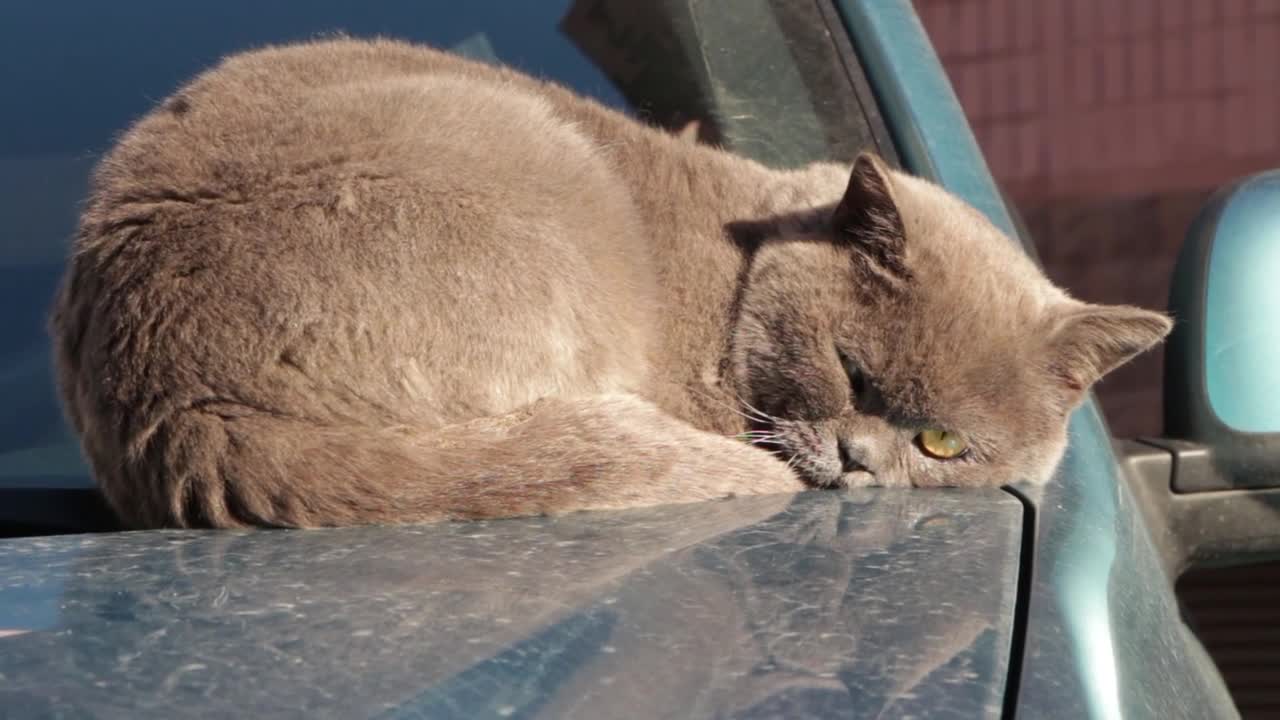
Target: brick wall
{"x":1108,"y":122}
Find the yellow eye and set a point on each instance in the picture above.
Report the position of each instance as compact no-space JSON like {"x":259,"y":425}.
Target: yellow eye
{"x":942,"y":444}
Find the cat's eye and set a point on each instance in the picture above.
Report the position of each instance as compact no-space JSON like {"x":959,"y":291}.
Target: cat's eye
{"x":942,"y":444}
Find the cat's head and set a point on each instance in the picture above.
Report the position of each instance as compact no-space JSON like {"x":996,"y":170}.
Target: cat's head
{"x":905,"y":340}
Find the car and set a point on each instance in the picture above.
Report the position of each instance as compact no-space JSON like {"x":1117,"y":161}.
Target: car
{"x":1021,"y":601}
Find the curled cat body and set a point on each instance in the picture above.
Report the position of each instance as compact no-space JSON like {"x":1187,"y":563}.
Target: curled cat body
{"x":348,"y":282}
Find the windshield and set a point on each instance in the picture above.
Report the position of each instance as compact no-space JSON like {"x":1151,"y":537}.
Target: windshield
{"x":767,"y":81}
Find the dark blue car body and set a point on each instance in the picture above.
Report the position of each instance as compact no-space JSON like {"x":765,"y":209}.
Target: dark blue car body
{"x":1024,"y":601}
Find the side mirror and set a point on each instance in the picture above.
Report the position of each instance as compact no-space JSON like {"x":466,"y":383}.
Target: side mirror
{"x":1222,"y":374}
{"x":1212,"y":484}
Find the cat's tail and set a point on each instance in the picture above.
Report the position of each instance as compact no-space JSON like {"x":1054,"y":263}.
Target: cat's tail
{"x":214,"y":466}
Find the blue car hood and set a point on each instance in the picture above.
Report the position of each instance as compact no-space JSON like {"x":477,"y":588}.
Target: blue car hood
{"x":863,"y":604}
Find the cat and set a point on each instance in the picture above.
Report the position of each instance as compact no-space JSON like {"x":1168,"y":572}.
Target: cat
{"x":361,"y":281}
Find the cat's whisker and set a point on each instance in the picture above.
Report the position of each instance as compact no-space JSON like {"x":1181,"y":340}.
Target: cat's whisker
{"x":760,"y":433}
{"x":754,"y":415}
{"x":761,"y":438}
{"x":735,"y":410}
{"x":757,"y":412}
{"x":755,"y":409}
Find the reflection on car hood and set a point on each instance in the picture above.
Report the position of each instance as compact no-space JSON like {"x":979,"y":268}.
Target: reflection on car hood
{"x":823,"y":603}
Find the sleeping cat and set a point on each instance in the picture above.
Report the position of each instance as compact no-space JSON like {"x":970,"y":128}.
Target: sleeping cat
{"x":351,"y":282}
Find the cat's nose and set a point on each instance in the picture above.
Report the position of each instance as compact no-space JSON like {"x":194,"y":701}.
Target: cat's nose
{"x":853,"y":457}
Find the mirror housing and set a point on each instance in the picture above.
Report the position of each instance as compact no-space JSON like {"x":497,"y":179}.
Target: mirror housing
{"x":1222,"y":360}
{"x":1211,"y":487}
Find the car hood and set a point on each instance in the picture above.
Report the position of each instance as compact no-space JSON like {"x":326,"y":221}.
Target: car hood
{"x":823,"y":603}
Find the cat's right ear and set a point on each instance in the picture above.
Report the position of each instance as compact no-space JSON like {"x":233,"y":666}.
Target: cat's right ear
{"x":868,"y":210}
{"x":1089,"y":341}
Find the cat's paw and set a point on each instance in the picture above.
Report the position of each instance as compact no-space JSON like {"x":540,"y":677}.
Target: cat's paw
{"x":732,"y":467}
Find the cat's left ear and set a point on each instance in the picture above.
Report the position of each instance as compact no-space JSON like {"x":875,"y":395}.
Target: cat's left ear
{"x":868,"y":209}
{"x":1089,"y":341}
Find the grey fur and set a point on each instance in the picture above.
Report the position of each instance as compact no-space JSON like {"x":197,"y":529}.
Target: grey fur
{"x":359,"y":281}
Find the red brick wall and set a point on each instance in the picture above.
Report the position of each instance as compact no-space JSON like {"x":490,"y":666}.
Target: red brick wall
{"x":1076,"y":98}
{"x":1109,"y":121}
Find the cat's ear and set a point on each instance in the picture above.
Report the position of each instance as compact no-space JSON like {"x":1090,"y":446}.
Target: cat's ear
{"x":1089,"y":341}
{"x":868,"y":208}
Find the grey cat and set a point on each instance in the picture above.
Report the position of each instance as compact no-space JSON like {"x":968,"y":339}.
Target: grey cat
{"x":352,"y":282}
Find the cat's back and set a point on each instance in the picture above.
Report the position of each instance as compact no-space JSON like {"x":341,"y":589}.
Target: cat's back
{"x":347,"y":226}
{"x":321,"y":110}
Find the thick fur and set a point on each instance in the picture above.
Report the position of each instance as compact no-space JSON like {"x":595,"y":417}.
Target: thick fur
{"x":353,"y":282}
